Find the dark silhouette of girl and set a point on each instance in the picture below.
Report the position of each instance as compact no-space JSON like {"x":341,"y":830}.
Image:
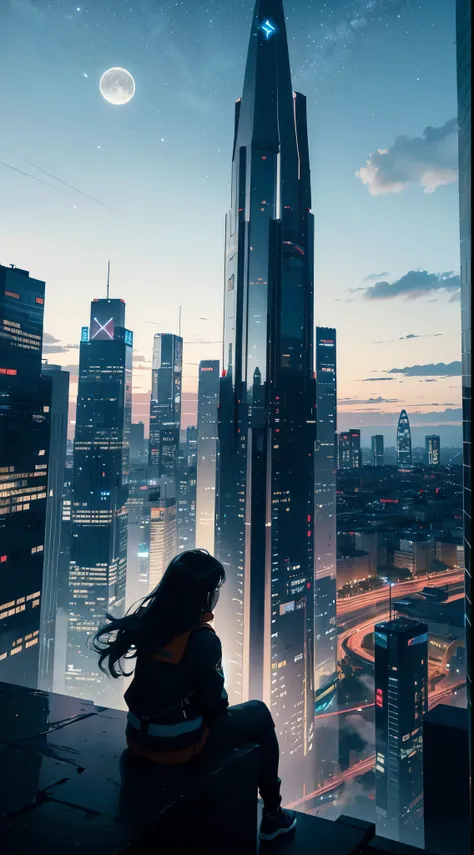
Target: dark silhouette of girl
{"x":177,"y":702}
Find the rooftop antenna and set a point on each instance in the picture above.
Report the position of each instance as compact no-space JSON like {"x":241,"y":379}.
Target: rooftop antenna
{"x":179,"y":322}
{"x":108,"y":279}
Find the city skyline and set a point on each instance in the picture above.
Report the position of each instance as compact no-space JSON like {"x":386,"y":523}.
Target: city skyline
{"x":411,"y":340}
{"x":340,"y":518}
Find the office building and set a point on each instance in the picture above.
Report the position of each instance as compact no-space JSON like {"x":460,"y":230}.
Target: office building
{"x":433,"y":450}
{"x":349,"y":451}
{"x":463,"y":42}
{"x":25,"y":399}
{"x":344,"y":460}
{"x":375,"y":544}
{"x":191,"y":446}
{"x":415,"y":555}
{"x":355,"y":451}
{"x":60,"y":643}
{"x":404,"y":453}
{"x":163,"y":537}
{"x":165,"y":403}
{"x":401,"y":700}
{"x":325,"y":534}
{"x":186,"y":507}
{"x":267,"y":430}
{"x":208,"y":397}
{"x":446,"y":780}
{"x":377,"y":446}
{"x":52,"y":543}
{"x":138,"y":445}
{"x":354,"y":568}
{"x":98,"y":558}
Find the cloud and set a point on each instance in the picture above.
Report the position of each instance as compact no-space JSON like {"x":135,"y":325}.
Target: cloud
{"x":375,"y":379}
{"x":430,"y":160}
{"x":417,"y":417}
{"x":379,"y":400}
{"x":374,"y":276}
{"x":408,"y":337}
{"x":52,"y":345}
{"x":414,"y":284}
{"x":137,"y":357}
{"x":440,"y":369}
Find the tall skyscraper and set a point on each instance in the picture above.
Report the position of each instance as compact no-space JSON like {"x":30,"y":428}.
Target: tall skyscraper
{"x":377,"y":444}
{"x":98,"y":559}
{"x":191,"y":445}
{"x":433,"y":450}
{"x":404,"y":455}
{"x":344,"y":451}
{"x":25,"y":399}
{"x":163,"y":538}
{"x":138,"y":450}
{"x":349,"y":453}
{"x":208,"y":397}
{"x":267,"y":397}
{"x":401,"y":700}
{"x":463,"y":40}
{"x":57,"y":461}
{"x":356,"y":454}
{"x":186,"y":507}
{"x":165,"y":403}
{"x":325,"y":534}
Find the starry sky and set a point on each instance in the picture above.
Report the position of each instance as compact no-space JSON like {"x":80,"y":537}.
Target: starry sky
{"x":147,"y":184}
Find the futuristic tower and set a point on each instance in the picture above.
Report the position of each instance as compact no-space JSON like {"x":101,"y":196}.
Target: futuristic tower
{"x":165,"y":403}
{"x":267,"y":427}
{"x":98,"y":557}
{"x":404,"y":455}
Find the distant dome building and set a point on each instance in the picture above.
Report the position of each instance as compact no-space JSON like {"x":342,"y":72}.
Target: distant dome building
{"x":404,"y":455}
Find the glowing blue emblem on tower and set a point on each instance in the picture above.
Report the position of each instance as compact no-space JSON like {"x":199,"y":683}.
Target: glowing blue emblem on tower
{"x":268,"y":29}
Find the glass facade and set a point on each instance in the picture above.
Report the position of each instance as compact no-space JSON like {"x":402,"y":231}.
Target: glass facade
{"x":401,"y":700}
{"x":163,"y":537}
{"x":325,"y":535}
{"x":404,"y":454}
{"x":208,"y":396}
{"x":463,"y":40}
{"x":98,"y":557}
{"x":377,"y":447}
{"x":344,"y":451}
{"x":57,"y":461}
{"x":25,"y":398}
{"x":349,"y":453}
{"x":165,"y":403}
{"x":267,"y":421}
{"x":433,"y":450}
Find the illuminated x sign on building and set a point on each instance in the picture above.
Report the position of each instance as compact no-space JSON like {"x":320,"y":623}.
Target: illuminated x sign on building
{"x":268,"y":29}
{"x":104,"y":328}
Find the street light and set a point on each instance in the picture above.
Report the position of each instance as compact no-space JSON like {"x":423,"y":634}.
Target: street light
{"x":390,"y":584}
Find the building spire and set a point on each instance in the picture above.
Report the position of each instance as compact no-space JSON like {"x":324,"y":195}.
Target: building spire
{"x":108,"y":280}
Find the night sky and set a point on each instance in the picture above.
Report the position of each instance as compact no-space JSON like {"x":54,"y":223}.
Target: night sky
{"x":380,"y":79}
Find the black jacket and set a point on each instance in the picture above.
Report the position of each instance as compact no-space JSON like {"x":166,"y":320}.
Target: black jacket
{"x":175,"y":694}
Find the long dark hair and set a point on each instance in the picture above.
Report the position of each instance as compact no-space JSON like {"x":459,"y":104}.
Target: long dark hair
{"x":176,"y":605}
